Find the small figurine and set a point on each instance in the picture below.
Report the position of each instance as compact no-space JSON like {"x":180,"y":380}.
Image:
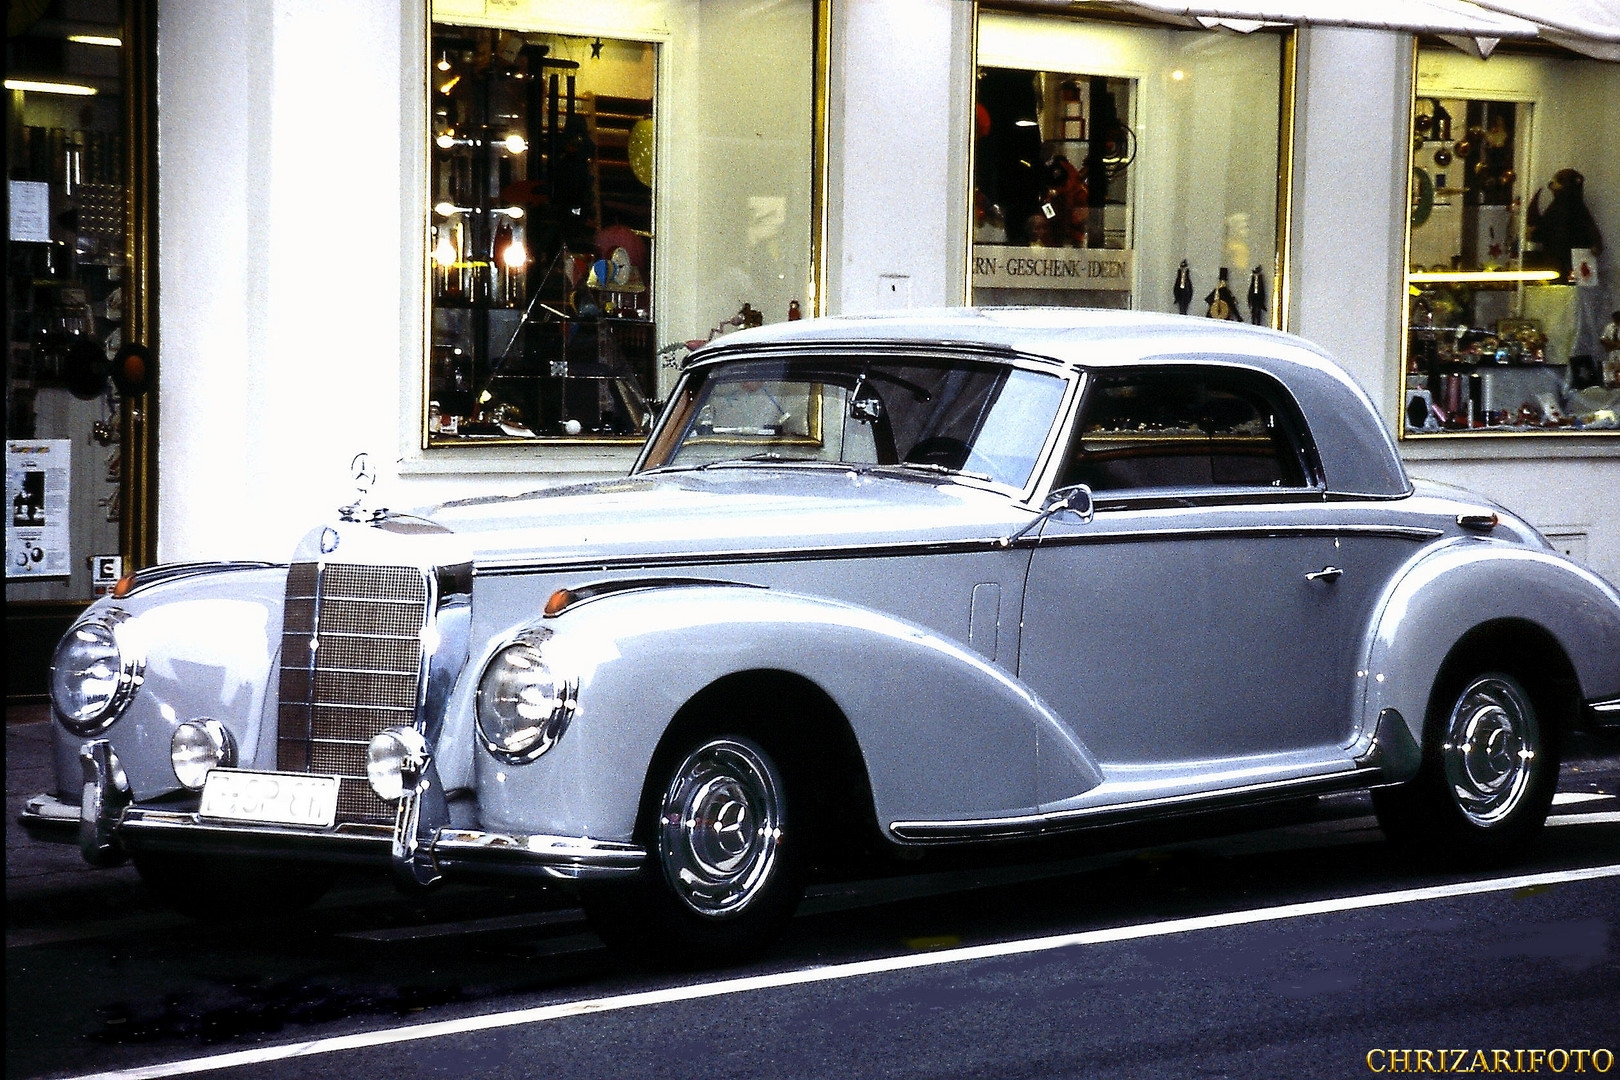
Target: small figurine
{"x":1222,"y":304}
{"x":1257,"y":297}
{"x":1610,"y":340}
{"x":1183,"y":290}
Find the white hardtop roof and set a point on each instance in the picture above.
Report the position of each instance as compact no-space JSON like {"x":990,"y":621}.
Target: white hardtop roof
{"x":1357,"y":451}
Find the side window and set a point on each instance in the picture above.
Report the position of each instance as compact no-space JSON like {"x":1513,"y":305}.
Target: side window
{"x":1185,"y":427}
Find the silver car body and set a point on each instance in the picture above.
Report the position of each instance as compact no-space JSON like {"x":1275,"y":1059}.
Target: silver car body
{"x":1004,"y":671}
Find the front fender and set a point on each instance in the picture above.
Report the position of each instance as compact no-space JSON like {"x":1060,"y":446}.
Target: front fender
{"x":1458,"y":586}
{"x":945,"y":735}
{"x":209,"y":641}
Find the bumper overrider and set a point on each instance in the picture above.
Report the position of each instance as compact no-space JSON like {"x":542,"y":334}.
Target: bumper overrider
{"x":421,"y":848}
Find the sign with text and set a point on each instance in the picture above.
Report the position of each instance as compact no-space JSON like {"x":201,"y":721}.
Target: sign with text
{"x":999,"y":266}
{"x":38,"y":475}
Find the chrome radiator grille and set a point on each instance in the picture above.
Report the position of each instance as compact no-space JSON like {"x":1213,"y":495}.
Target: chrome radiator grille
{"x":351,"y":665}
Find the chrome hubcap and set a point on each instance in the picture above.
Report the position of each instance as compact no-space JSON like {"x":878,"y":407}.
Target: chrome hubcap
{"x":1492,"y":741}
{"x":720,"y":827}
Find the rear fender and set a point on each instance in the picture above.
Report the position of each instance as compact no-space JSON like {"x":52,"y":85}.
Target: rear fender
{"x":943,"y":733}
{"x":1457,"y":587}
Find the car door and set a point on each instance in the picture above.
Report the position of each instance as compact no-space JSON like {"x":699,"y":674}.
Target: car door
{"x":1179,"y":629}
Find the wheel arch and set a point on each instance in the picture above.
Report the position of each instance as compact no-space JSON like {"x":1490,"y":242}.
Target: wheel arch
{"x":804,"y":729}
{"x":1483,"y":602}
{"x":1521,"y":648}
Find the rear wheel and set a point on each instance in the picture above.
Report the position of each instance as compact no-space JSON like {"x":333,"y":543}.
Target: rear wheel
{"x":1489,"y":770}
{"x":726,"y":864}
{"x":219,"y":888}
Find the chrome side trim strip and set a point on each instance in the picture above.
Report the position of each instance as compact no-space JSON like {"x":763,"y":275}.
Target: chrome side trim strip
{"x":942,"y":547}
{"x":1146,"y":809}
{"x":1609,"y":705}
{"x":167,"y":572}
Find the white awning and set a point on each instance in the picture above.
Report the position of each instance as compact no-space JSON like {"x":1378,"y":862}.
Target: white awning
{"x":1589,"y":27}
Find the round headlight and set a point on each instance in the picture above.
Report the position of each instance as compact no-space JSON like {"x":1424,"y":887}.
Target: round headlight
{"x":523,"y":705}
{"x":92,"y":676}
{"x":198,"y":746}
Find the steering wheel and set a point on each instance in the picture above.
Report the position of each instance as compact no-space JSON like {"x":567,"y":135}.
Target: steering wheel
{"x":939,"y":450}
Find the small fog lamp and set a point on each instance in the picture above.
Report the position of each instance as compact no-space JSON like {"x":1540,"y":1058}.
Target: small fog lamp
{"x":198,"y":746}
{"x":395,"y":761}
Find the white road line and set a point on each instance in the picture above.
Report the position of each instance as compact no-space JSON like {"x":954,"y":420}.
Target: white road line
{"x":1564,"y":798}
{"x":835,"y":972}
{"x":1607,"y":817}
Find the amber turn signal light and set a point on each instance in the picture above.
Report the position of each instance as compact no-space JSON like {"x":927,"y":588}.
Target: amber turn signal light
{"x":558,"y":601}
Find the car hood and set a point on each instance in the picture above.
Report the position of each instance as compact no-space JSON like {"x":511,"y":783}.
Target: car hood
{"x":723,"y":511}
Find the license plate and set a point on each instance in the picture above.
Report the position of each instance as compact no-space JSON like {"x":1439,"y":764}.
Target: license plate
{"x":283,"y":798}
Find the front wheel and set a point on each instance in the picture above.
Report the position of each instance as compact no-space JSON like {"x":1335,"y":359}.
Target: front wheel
{"x":726,"y":866}
{"x":1488,"y":774}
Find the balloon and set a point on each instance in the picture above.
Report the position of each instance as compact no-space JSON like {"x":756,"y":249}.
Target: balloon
{"x":641,"y":151}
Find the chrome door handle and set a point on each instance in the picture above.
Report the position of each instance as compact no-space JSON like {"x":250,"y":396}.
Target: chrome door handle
{"x":1327,"y":573}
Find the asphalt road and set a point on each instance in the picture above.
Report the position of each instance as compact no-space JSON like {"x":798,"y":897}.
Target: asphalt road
{"x":1293,"y":947}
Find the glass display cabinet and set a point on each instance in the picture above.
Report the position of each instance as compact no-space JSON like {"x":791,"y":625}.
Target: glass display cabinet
{"x":540,"y":240}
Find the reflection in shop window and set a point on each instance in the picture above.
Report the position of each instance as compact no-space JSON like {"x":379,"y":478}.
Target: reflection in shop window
{"x":1506,"y":295}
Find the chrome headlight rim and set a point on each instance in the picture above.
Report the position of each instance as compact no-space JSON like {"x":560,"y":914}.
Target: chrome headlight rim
{"x":216,"y":737}
{"x":131,"y":665}
{"x":548,"y":731}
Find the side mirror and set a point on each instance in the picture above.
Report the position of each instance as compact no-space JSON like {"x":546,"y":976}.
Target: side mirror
{"x":1074,"y":500}
{"x":1077,"y":499}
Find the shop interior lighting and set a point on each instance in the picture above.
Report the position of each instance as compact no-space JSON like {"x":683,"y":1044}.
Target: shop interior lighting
{"x":34,"y":86}
{"x":515,"y":255}
{"x":450,"y":209}
{"x":444,"y":61}
{"x":1454,"y":276}
{"x":449,"y":84}
{"x":1177,"y":75}
{"x":513,"y":212}
{"x":1024,"y":123}
{"x":97,"y":39}
{"x":516,"y":144}
{"x":444,"y":252}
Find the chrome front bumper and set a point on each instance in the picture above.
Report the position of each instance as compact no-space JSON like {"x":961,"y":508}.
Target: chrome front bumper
{"x":108,"y":827}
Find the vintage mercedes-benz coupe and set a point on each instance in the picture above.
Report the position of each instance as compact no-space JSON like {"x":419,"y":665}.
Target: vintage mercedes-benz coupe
{"x":899,"y":582}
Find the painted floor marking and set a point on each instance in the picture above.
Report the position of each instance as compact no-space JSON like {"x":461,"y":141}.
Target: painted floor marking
{"x":1606,"y":817}
{"x":835,"y":972}
{"x":1564,"y":798}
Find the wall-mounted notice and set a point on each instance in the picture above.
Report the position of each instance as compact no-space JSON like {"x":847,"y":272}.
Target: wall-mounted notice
{"x":30,"y":203}
{"x":38,"y":478}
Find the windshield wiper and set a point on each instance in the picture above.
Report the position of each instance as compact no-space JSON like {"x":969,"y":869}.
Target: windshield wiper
{"x":771,"y":456}
{"x":934,"y":469}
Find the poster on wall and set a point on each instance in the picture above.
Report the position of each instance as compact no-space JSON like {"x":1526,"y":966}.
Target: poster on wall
{"x":38,"y":478}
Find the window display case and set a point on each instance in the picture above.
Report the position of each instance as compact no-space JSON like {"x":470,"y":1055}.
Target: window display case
{"x":1505,"y":290}
{"x":606,"y":187}
{"x":541,"y":237}
{"x":1129,"y":166}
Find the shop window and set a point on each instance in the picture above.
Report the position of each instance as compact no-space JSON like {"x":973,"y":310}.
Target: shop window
{"x":1128,"y":166}
{"x":1507,"y":296}
{"x":593,"y":210}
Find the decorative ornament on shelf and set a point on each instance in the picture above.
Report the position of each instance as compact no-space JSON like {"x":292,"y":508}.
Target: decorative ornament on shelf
{"x":1222,"y":304}
{"x":1182,"y":291}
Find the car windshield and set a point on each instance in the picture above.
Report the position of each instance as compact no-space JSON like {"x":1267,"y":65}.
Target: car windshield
{"x":932,"y":415}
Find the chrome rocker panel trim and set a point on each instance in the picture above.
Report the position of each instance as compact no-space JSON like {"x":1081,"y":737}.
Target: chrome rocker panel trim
{"x":456,"y":853}
{"x":1033,"y":825}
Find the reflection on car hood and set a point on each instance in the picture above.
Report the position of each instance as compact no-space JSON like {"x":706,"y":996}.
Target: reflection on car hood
{"x":743,"y":508}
